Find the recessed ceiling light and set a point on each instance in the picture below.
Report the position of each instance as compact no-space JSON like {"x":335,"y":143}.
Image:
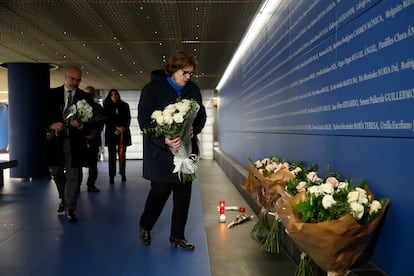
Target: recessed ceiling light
{"x":65,"y":32}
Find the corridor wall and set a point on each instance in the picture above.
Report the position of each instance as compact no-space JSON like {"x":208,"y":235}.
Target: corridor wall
{"x":331,"y":82}
{"x":4,"y":116}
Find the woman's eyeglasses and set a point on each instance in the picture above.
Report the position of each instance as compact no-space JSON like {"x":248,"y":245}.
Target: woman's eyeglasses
{"x":188,"y":73}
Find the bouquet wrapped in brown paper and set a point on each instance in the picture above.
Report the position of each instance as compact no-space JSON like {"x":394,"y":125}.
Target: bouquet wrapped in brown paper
{"x":264,"y":175}
{"x":330,"y":221}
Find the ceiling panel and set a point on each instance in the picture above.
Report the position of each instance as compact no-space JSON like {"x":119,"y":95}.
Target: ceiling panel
{"x":118,"y":43}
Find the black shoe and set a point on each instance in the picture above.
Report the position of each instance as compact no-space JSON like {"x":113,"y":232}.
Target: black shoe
{"x":93,"y":189}
{"x":123,"y":178}
{"x":61,"y":207}
{"x":111,"y":180}
{"x":70,"y":216}
{"x":181,"y":243}
{"x":145,"y":236}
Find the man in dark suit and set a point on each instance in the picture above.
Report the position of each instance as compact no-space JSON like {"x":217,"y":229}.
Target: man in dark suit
{"x":65,"y":150}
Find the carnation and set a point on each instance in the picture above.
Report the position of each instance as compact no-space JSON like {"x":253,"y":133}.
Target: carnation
{"x":328,"y":201}
{"x":375,"y":207}
{"x":357,"y":210}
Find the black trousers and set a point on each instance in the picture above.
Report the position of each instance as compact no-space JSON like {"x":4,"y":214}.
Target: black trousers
{"x":158,"y":196}
{"x":93,"y":152}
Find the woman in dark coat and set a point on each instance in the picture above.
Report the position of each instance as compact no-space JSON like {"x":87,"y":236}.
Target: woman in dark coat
{"x":165,"y":87}
{"x":117,"y":132}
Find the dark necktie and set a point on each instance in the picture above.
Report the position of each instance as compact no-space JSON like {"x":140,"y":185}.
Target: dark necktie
{"x":69,"y":98}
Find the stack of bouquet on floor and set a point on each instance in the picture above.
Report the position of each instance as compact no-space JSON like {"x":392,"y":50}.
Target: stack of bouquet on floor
{"x":330,"y":219}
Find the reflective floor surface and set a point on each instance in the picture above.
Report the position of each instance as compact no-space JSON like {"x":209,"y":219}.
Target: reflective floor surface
{"x":36,"y":240}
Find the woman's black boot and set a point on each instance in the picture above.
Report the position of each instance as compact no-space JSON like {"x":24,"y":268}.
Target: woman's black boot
{"x":181,"y":243}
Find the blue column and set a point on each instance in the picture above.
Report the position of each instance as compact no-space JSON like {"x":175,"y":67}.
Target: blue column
{"x":28,"y":84}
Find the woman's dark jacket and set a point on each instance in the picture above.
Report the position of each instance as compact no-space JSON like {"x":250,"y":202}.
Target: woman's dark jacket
{"x":156,"y":95}
{"x":55,"y":103}
{"x":117,"y":114}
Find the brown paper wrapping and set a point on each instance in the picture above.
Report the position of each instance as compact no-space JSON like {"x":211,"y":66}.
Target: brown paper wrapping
{"x":263,"y":188}
{"x":333,"y":245}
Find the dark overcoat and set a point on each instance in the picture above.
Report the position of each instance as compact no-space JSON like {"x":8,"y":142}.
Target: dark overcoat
{"x":117,"y":114}
{"x":156,"y":95}
{"x":55,"y":103}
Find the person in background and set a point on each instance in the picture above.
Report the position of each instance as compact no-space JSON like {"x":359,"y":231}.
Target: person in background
{"x":65,"y":151}
{"x":117,"y":132}
{"x":94,"y":141}
{"x":165,"y":87}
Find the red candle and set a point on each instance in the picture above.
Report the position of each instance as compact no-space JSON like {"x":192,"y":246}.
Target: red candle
{"x":222,"y":205}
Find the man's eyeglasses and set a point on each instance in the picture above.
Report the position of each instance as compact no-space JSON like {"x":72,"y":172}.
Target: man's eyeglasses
{"x":73,"y":79}
{"x":190,"y":74}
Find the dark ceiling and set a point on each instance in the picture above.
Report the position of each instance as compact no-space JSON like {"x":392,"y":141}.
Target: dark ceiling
{"x":118,"y":42}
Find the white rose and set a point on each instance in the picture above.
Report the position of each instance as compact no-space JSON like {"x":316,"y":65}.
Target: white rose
{"x":328,"y":201}
{"x":312,"y":176}
{"x":327,"y":188}
{"x":178,"y":118}
{"x":352,"y":197}
{"x":314,"y":190}
{"x":258,"y":164}
{"x":159,"y":119}
{"x":169,"y":109}
{"x":269,"y":168}
{"x":357,"y":210}
{"x":301,"y":186}
{"x":342,"y":185}
{"x":156,"y":113}
{"x":363,"y":197}
{"x":375,"y":207}
{"x":297,"y":170}
{"x":168,"y":119}
{"x":183,"y":106}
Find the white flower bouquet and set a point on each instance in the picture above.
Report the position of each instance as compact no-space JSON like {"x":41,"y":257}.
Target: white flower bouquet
{"x":330,"y":221}
{"x":81,"y":111}
{"x":265,"y":174}
{"x":177,"y":120}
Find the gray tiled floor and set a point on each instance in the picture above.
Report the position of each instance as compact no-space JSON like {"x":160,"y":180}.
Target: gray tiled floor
{"x":233,"y":251}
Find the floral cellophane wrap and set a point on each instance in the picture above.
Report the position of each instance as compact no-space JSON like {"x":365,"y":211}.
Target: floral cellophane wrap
{"x":334,"y":245}
{"x":263,"y":188}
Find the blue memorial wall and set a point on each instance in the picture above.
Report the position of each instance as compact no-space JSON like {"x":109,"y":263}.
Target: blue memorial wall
{"x":332,"y":82}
